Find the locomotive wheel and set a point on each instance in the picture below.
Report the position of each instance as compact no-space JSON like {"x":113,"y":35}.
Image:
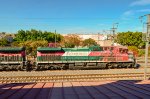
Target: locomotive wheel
{"x":19,"y":68}
{"x":6,"y":69}
{"x":33,"y":67}
{"x":65,"y":67}
{"x":108,"y":66}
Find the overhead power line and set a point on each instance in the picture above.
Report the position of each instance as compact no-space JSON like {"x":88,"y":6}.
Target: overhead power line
{"x":60,"y":18}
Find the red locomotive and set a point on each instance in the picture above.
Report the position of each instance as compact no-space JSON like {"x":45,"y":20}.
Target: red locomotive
{"x":94,"y":57}
{"x":85,"y":58}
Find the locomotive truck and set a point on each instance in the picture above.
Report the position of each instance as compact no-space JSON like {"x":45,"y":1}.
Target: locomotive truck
{"x":93,"y":57}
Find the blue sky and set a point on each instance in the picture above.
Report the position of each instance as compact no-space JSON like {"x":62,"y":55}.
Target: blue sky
{"x":72,"y":16}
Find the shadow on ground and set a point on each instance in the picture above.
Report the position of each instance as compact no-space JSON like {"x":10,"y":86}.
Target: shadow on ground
{"x":131,"y":89}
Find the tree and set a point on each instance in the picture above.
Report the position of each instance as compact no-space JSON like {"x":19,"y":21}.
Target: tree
{"x":3,"y":42}
{"x":31,"y":46}
{"x":15,"y":44}
{"x":71,"y":41}
{"x":34,"y":35}
{"x":89,"y":42}
{"x":130,"y":39}
{"x":32,"y":39}
{"x":34,"y":45}
{"x":134,"y":49}
{"x":21,"y":36}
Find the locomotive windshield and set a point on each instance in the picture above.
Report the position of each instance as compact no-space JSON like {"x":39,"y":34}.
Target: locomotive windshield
{"x":121,"y":50}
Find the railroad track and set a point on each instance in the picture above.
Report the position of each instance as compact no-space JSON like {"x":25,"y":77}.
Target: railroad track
{"x":72,"y":75}
{"x":72,"y":78}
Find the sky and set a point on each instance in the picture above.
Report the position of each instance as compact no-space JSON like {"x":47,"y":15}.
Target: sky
{"x":72,"y":16}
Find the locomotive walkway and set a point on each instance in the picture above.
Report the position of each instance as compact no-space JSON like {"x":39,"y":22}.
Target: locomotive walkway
{"x":77,"y":90}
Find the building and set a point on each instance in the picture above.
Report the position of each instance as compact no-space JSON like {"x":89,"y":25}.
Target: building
{"x":9,"y":37}
{"x":101,"y":39}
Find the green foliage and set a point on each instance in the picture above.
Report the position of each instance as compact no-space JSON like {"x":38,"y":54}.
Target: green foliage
{"x":3,"y":42}
{"x":89,"y":42}
{"x":71,"y":41}
{"x":69,"y":45}
{"x":134,"y":49}
{"x":130,"y":39}
{"x":34,"y":35}
{"x":36,"y":44}
{"x":141,"y":52}
{"x":32,"y":39}
{"x":31,"y":46}
{"x":15,"y":43}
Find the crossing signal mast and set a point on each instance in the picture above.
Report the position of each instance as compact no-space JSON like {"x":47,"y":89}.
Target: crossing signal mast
{"x":146,"y":38}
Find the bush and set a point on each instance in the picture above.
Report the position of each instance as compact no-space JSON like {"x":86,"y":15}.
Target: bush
{"x":141,"y":52}
{"x":134,"y":49}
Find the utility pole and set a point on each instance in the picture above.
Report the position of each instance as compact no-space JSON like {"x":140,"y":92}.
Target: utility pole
{"x":98,"y":37}
{"x":146,"y":39}
{"x":147,"y":45}
{"x":143,"y":33}
{"x":114,"y":28}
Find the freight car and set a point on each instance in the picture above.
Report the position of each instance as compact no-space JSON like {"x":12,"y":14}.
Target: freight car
{"x":12,"y":58}
{"x":84,"y":58}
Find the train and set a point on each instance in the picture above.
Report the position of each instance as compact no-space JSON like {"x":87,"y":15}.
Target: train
{"x":47,"y":58}
{"x":13,"y":58}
